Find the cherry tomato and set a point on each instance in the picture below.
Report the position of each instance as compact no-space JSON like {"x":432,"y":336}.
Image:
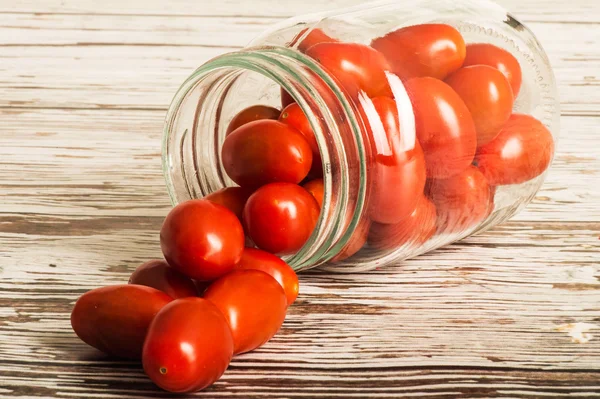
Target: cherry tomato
{"x":445,"y":128}
{"x":357,"y":67}
{"x":356,"y":241}
{"x":188,"y":347}
{"x":487,"y":95}
{"x":461,"y":201}
{"x":115,"y":319}
{"x":266,"y":151}
{"x":315,"y":188}
{"x":293,"y":116}
{"x":275,"y":267}
{"x":522,"y":150}
{"x":202,"y":240}
{"x":434,"y":50}
{"x":314,"y":36}
{"x":251,"y":114}
{"x":232,"y":198}
{"x":279,"y":217}
{"x":158,"y":274}
{"x":505,"y":62}
{"x":286,"y":98}
{"x":398,"y":172}
{"x":415,"y":230}
{"x":253,"y":303}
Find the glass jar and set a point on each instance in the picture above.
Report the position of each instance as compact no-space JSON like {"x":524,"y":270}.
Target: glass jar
{"x":377,"y":206}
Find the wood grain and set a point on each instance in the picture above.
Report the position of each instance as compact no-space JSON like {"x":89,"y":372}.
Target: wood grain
{"x":83,"y":90}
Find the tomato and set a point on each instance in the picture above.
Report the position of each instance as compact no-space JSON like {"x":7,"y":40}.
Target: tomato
{"x":279,"y":217}
{"x":415,"y":230}
{"x":505,"y":62}
{"x":115,"y":319}
{"x":293,"y":116}
{"x":445,"y":128}
{"x":188,"y":347}
{"x":315,"y":188}
{"x":251,"y":114}
{"x":314,"y":36}
{"x":253,"y":303}
{"x":158,"y":274}
{"x":357,"y":67}
{"x":434,"y":50}
{"x":522,"y":150}
{"x":398,"y":172}
{"x":202,"y":240}
{"x":461,"y":201}
{"x":266,"y":151}
{"x":356,"y":241}
{"x":275,"y":267}
{"x":487,"y":95}
{"x":232,"y":198}
{"x":286,"y":98}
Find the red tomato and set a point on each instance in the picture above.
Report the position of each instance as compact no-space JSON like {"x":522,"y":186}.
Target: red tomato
{"x":461,"y":201}
{"x":434,"y":50}
{"x":266,"y":151}
{"x":189,"y":346}
{"x":251,"y":114}
{"x":415,"y":230}
{"x":487,"y":95}
{"x":314,"y":36}
{"x":286,"y":98}
{"x":505,"y":62}
{"x":356,"y":241}
{"x":158,"y":274}
{"x":445,"y":128}
{"x":201,"y":239}
{"x":279,"y":217}
{"x":522,"y":150}
{"x":357,"y":67}
{"x":398,"y":171}
{"x":275,"y":267}
{"x":232,"y":198}
{"x":293,"y":116}
{"x":115,"y":319}
{"x":253,"y":303}
{"x":315,"y":188}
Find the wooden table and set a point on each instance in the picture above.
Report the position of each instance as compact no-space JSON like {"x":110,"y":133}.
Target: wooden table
{"x":84,"y":86}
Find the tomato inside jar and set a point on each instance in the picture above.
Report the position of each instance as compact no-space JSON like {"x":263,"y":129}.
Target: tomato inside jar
{"x":357,"y":147}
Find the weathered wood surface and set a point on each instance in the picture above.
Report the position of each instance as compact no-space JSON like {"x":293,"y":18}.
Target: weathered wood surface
{"x":83,"y":90}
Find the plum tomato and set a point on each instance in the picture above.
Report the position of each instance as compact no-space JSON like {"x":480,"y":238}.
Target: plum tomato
{"x":251,"y":114}
{"x":315,"y":188}
{"x":445,"y":128}
{"x":488,"y":96}
{"x":502,"y":60}
{"x":415,"y":230}
{"x":115,"y":319}
{"x":280,"y":217}
{"x":202,"y":240}
{"x":253,"y":303}
{"x":434,"y":50}
{"x":398,"y":172}
{"x":293,"y":116}
{"x":232,"y":198}
{"x":357,"y":67}
{"x":158,"y":274}
{"x":356,"y":241}
{"x":188,"y":347}
{"x":257,"y":259}
{"x":266,"y":151}
{"x":461,"y":201}
{"x":522,"y":150}
{"x":314,"y":36}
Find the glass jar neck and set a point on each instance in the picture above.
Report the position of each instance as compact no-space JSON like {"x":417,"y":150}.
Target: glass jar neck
{"x":196,"y":124}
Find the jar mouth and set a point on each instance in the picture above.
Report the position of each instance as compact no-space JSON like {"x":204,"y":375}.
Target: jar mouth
{"x":309,"y":85}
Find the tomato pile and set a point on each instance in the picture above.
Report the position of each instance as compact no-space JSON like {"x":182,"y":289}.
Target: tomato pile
{"x":222,"y":290}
